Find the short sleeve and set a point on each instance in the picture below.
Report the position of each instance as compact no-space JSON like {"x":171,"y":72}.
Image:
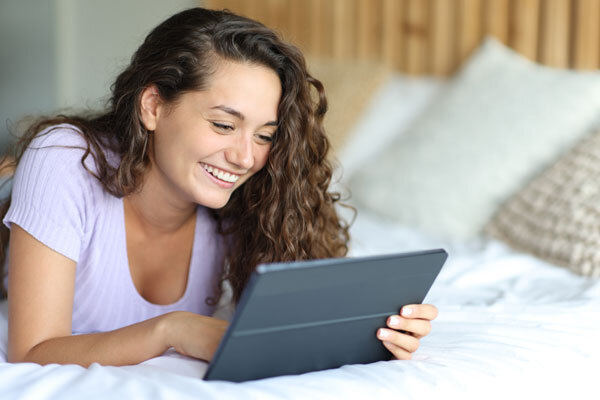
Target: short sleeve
{"x":51,"y":191}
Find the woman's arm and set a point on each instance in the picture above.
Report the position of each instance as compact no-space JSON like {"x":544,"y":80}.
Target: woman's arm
{"x":40,"y":303}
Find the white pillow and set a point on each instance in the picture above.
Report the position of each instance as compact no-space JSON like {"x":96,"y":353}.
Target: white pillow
{"x":397,"y":103}
{"x":500,"y":121}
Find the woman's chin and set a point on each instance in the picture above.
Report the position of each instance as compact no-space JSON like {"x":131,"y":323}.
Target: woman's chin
{"x":214,"y":203}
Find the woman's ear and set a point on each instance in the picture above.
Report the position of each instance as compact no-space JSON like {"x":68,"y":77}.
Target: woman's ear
{"x":150,"y":103}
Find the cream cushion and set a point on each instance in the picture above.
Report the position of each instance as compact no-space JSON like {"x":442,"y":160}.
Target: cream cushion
{"x":495,"y":125}
{"x":392,"y":109}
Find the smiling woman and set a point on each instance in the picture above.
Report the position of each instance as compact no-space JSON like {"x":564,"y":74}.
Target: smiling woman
{"x":210,"y":159}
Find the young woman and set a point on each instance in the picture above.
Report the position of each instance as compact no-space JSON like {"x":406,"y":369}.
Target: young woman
{"x":210,"y":159}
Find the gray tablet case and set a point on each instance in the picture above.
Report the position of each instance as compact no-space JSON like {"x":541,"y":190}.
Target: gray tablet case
{"x":314,"y":315}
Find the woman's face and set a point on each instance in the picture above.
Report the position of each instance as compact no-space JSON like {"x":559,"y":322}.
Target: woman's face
{"x":210,"y":142}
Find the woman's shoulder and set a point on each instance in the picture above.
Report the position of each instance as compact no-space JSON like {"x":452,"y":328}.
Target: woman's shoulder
{"x":63,"y":146}
{"x":66,"y":136}
{"x":56,"y":158}
{"x":53,"y":196}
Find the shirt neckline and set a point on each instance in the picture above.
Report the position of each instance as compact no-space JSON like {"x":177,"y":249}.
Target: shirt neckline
{"x":130,"y":283}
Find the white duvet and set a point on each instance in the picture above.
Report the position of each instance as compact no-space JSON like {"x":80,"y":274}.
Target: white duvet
{"x":509,"y":325}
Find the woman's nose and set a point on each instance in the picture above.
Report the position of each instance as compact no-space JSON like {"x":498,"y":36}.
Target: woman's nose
{"x":240,"y":153}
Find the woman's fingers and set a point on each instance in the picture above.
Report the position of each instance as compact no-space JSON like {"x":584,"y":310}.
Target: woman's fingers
{"x":416,"y":327}
{"x":185,"y":328}
{"x":405,"y":342}
{"x":405,"y":330}
{"x":397,"y":352}
{"x":420,"y":311}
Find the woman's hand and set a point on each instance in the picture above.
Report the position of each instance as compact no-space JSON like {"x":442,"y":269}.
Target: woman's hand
{"x":194,"y":335}
{"x":404,"y":331}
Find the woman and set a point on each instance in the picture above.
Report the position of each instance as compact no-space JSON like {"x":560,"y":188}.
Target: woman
{"x":211,"y":153}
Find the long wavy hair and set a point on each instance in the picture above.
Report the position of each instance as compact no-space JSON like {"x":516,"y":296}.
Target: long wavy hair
{"x":284,"y":212}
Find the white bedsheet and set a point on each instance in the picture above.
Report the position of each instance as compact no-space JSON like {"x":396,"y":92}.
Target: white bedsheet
{"x":509,"y":325}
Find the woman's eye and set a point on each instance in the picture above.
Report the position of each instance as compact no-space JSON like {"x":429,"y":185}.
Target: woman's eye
{"x":265,"y":138}
{"x":223,"y":127}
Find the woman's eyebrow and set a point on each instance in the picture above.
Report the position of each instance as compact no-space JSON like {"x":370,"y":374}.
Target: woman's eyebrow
{"x":238,"y":114}
{"x":229,"y":110}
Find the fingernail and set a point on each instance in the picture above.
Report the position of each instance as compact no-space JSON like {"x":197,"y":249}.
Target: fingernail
{"x":383,"y":333}
{"x":406,"y":311}
{"x":394,"y":320}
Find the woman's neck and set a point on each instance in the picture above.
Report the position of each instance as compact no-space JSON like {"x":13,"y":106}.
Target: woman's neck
{"x":156,"y":210}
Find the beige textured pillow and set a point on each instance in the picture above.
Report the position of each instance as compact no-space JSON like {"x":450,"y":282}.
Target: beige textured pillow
{"x":557,"y":215}
{"x":349,"y":86}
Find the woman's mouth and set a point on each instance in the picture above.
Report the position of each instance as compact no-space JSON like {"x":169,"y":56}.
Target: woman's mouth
{"x":222,"y":176}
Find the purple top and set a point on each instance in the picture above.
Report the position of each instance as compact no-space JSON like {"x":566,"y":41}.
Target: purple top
{"x":63,"y":206}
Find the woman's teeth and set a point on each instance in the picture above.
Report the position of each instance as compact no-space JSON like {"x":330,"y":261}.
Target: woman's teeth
{"x":224,"y":176}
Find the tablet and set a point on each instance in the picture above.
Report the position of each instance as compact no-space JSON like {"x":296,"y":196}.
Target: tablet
{"x":313,"y":315}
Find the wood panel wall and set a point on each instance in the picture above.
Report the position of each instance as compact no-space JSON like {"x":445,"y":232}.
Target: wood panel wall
{"x":432,"y":37}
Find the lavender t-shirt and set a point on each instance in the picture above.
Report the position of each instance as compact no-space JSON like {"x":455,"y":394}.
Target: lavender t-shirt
{"x":63,"y":206}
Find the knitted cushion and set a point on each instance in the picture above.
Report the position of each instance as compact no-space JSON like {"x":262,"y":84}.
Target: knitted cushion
{"x":557,"y":215}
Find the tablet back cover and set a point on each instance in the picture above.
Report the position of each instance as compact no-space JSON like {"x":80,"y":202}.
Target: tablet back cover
{"x":308,"y":316}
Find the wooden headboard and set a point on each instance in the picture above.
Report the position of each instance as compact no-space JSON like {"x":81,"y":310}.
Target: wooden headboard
{"x":432,"y":37}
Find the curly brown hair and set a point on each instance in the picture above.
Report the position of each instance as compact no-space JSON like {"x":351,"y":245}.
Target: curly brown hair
{"x":284,"y":212}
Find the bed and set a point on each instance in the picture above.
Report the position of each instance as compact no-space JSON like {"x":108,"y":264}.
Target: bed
{"x":496,"y":165}
{"x":510,"y":325}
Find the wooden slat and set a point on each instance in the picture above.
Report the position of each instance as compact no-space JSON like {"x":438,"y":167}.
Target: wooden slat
{"x":316,"y":24}
{"x":243,"y":7}
{"x":299,"y":33}
{"x":443,"y":37}
{"x":495,"y":19}
{"x":212,"y":4}
{"x":369,"y":29}
{"x":344,"y":32}
{"x":415,"y":28}
{"x":523,"y":28}
{"x":554,"y":41}
{"x":392,"y":33}
{"x":469,"y":27}
{"x":586,"y":45}
{"x":258,"y":11}
{"x":326,"y":31}
{"x":295,"y":29}
{"x":246,"y":8}
{"x":278,"y":17}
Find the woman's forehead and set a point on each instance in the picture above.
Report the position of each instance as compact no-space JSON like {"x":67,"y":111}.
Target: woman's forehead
{"x":247,"y":88}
